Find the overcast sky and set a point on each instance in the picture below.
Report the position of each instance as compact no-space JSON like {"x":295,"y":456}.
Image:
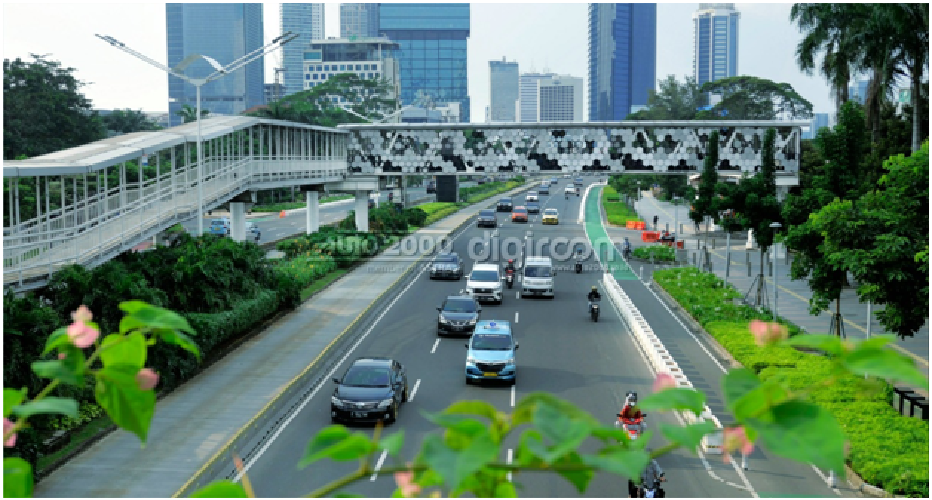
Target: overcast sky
{"x":538,"y":36}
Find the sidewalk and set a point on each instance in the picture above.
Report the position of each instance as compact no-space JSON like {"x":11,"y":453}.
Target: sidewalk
{"x":196,"y":420}
{"x":793,"y":295}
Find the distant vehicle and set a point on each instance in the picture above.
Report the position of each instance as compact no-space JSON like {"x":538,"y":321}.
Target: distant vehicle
{"x":447,"y":265}
{"x":219,"y":226}
{"x":569,"y":190}
{"x":371,"y":390}
{"x":504,"y":205}
{"x":533,"y":207}
{"x":531,"y":196}
{"x":490,"y":353}
{"x":545,"y":189}
{"x":253,"y":229}
{"x":485,"y":283}
{"x":458,"y":315}
{"x":431,"y":187}
{"x":551,"y":216}
{"x":487,"y":218}
{"x":519,"y":214}
{"x":579,"y":181}
{"x":538,"y":277}
{"x":481,"y":181}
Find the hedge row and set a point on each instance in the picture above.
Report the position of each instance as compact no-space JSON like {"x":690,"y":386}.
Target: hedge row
{"x":657,"y":252}
{"x":617,"y":213}
{"x":887,"y":449}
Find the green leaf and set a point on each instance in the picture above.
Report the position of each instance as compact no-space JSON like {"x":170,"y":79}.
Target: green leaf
{"x":156,"y":317}
{"x":56,"y":370}
{"x":626,"y":462}
{"x":12,"y":398}
{"x":565,"y":433}
{"x":505,"y":490}
{"x":348,"y":495}
{"x":118,"y":393}
{"x":124,"y":350}
{"x":578,"y":478}
{"x":455,"y":465}
{"x":759,"y":400}
{"x":47,"y":405}
{"x":17,"y":478}
{"x":736,"y":383}
{"x":57,"y":339}
{"x":221,"y":489}
{"x":886,"y":364}
{"x":827,"y":343}
{"x":392,"y":444}
{"x":181,"y":340}
{"x":805,"y":432}
{"x":480,"y":408}
{"x":336,"y":443}
{"x":526,"y":453}
{"x":675,"y":399}
{"x":690,"y":436}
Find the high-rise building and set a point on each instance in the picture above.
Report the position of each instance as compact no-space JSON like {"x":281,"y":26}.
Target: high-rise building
{"x":359,"y":19}
{"x":307,"y":21}
{"x":366,"y":57}
{"x":432,"y":39}
{"x":503,"y":90}
{"x":527,"y":104}
{"x":560,"y":98}
{"x":622,"y":58}
{"x":273,"y":92}
{"x":858,"y":90}
{"x":715,"y":45}
{"x":819,"y":120}
{"x":224,"y":32}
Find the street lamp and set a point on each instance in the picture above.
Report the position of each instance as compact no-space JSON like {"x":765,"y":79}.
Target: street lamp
{"x":773,"y":258}
{"x":198,"y":83}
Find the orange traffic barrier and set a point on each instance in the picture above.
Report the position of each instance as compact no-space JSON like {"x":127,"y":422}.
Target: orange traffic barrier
{"x":641,"y":225}
{"x":281,"y":215}
{"x":631,"y":224}
{"x":650,"y":236}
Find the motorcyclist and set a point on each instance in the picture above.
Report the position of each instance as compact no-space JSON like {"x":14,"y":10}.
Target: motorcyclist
{"x":630,"y":413}
{"x":593,"y":295}
{"x":510,"y":267}
{"x":652,"y":475}
{"x":626,"y":247}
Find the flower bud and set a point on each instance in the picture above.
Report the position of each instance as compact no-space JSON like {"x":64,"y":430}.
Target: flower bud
{"x":147,"y":379}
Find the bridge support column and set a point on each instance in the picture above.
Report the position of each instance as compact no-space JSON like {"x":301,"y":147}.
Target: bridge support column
{"x":238,"y":220}
{"x":313,"y":212}
{"x":362,"y":211}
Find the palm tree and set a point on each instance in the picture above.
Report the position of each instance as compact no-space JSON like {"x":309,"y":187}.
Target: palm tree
{"x":908,"y":26}
{"x":189,"y":113}
{"x":826,"y":30}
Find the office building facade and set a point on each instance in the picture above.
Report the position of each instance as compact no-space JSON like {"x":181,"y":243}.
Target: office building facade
{"x":432,"y":50}
{"x":622,"y":58}
{"x":819,"y":120}
{"x":527,"y":103}
{"x":560,"y":98}
{"x":224,"y":32}
{"x":368,"y":58}
{"x":503,"y":91}
{"x":359,"y":19}
{"x":715,"y":32}
{"x":858,"y":90}
{"x":307,"y":21}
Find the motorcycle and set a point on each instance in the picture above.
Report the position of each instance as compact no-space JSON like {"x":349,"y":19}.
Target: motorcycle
{"x":594,"y":310}
{"x":627,"y":252}
{"x":652,"y":490}
{"x":578,"y":262}
{"x":509,"y":278}
{"x":635,"y":430}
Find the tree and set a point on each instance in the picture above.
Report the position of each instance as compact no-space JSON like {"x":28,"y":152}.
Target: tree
{"x":672,"y":101}
{"x":909,"y":25}
{"x":707,"y":203}
{"x":188,"y":113}
{"x":752,"y":98}
{"x":825,"y":26}
{"x":127,"y":121}
{"x":875,"y":238}
{"x":368,"y":99}
{"x":843,"y":149}
{"x":43,"y":110}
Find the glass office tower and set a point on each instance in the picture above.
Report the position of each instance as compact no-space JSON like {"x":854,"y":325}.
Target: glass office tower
{"x":307,"y":21}
{"x":432,"y":56}
{"x":528,"y":99}
{"x":503,"y":91}
{"x":622,"y":58}
{"x":224,"y":32}
{"x":359,"y":19}
{"x":715,"y":27}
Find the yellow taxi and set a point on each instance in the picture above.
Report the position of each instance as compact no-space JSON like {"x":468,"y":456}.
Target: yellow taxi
{"x":551,"y":216}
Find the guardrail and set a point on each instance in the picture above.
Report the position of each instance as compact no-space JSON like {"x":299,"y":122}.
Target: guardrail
{"x":661,"y":360}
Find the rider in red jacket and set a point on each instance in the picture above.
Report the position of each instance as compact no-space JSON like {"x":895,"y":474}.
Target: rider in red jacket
{"x":630,"y":413}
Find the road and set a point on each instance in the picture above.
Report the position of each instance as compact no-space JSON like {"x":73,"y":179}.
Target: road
{"x":562,"y":352}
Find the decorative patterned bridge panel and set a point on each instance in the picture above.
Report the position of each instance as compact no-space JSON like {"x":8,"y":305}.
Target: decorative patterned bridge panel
{"x":617,"y":147}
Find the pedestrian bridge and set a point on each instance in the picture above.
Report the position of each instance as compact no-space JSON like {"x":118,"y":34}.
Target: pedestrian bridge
{"x":89,"y":203}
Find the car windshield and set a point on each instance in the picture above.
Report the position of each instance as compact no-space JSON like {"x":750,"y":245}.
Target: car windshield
{"x":520,"y":211}
{"x":505,"y":200}
{"x":550,"y":211}
{"x":537,"y":271}
{"x":533,"y":205}
{"x":487,"y":213}
{"x":459,"y":306}
{"x":484,"y":276}
{"x":367,"y":376}
{"x":495,"y":342}
{"x":446,"y":259}
{"x":217,"y":223}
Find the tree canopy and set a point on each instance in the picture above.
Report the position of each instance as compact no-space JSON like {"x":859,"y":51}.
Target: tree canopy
{"x":127,"y":121}
{"x":319,"y":105}
{"x":752,"y":98}
{"x":671,"y":101}
{"x":707,"y":202}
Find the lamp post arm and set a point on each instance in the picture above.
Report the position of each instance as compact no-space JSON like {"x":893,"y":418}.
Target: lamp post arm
{"x":124,"y":48}
{"x":250,"y":57}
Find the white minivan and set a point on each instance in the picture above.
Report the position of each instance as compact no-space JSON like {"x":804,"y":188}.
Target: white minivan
{"x":537,"y":277}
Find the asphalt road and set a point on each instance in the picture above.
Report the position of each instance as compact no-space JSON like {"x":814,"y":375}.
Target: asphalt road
{"x":561,"y":352}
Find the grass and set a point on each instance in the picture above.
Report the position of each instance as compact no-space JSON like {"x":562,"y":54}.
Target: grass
{"x":78,"y":437}
{"x":321,"y":282}
{"x":278,"y":207}
{"x":618,"y":214}
{"x":661,"y":253}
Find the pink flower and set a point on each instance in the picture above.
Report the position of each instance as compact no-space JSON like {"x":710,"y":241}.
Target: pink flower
{"x":82,"y":335}
{"x":10,"y":441}
{"x":405,"y":482}
{"x":767,"y":333}
{"x":82,"y":315}
{"x":663,"y":381}
{"x":62,"y":355}
{"x":147,"y":379}
{"x":737,"y":439}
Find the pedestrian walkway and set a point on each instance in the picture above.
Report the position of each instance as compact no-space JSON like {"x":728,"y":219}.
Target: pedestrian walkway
{"x":792,"y":295}
{"x":197,"y":419}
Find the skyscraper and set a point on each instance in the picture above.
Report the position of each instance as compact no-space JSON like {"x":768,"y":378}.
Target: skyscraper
{"x":432,"y":37}
{"x":560,"y":98}
{"x":528,"y":100}
{"x":307,"y":21}
{"x":503,"y":90}
{"x":224,"y":32}
{"x":715,"y":31}
{"x":359,"y":19}
{"x":819,"y":120}
{"x":858,"y":90}
{"x":622,"y":58}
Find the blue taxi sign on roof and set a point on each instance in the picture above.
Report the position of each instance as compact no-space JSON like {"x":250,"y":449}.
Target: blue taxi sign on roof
{"x":493,"y":325}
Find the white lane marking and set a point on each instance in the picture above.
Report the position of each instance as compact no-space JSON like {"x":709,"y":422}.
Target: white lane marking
{"x":516,"y":316}
{"x":719,"y":365}
{"x":414,"y":391}
{"x":508,"y":460}
{"x":281,"y":428}
{"x":512,"y":396}
{"x":517,"y":295}
{"x":826,"y":479}
{"x":435,"y":346}
{"x":378,"y":465}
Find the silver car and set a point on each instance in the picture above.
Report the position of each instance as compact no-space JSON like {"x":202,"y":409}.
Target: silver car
{"x":448,"y":266}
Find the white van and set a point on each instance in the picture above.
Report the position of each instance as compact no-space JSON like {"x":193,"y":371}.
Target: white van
{"x":537,"y":277}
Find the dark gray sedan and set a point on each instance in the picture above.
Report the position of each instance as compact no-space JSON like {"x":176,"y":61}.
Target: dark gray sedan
{"x":447,"y":266}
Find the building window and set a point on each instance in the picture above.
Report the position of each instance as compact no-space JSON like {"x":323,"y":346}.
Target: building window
{"x":326,"y":67}
{"x":365,"y":67}
{"x":359,"y":67}
{"x":319,"y":67}
{"x":308,"y":76}
{"x":377,"y":75}
{"x":315,"y":76}
{"x":342,"y":67}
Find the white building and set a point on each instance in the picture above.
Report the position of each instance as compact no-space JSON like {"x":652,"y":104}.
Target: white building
{"x":527,"y":102}
{"x":560,"y":99}
{"x":366,"y":57}
{"x":503,"y":91}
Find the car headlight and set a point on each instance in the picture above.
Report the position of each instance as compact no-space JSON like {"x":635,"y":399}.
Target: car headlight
{"x":444,"y":320}
{"x":386,"y":403}
{"x":472,"y":321}
{"x":471,"y":361}
{"x":336,"y":401}
{"x":510,"y":361}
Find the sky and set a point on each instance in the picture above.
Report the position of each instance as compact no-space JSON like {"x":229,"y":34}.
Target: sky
{"x":539,"y":36}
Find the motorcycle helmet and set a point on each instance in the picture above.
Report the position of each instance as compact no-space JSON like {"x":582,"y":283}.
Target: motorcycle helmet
{"x":631,"y":397}
{"x":511,"y":261}
{"x":593,"y":288}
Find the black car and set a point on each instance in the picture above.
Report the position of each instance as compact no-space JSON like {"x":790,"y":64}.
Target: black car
{"x":487,"y":218}
{"x":579,"y":181}
{"x":447,"y":265}
{"x":458,"y":315}
{"x":431,"y":187}
{"x":504,"y":205}
{"x":533,"y":207}
{"x":371,"y":390}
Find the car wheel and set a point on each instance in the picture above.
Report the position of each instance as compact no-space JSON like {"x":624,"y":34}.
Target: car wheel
{"x":468,"y":381}
{"x":405,"y":395}
{"x":394,"y":415}
{"x":514,"y":380}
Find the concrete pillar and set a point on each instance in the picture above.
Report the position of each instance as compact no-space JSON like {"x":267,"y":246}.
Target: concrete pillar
{"x":238,"y":221}
{"x":362,"y":211}
{"x":313,"y":212}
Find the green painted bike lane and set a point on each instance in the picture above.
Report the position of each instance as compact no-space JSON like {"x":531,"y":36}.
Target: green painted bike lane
{"x":599,"y":240}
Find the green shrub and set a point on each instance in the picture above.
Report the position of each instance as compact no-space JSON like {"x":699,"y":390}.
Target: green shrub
{"x":616,"y":213}
{"x":304,"y":269}
{"x":658,"y":252}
